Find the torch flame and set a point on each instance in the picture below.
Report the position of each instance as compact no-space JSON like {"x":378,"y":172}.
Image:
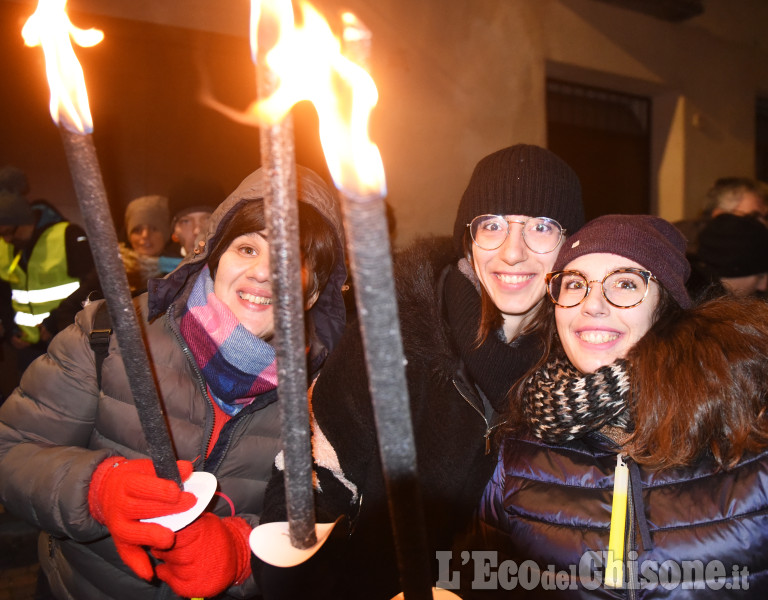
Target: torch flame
{"x":311,"y":66}
{"x":50,"y":27}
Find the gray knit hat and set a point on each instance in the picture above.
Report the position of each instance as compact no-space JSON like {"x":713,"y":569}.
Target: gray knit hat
{"x":651,"y":241}
{"x":521,"y":180}
{"x":14,"y":209}
{"x":149,"y":210}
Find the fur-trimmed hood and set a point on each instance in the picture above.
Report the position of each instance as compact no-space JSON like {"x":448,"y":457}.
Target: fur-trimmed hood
{"x":417,"y":272}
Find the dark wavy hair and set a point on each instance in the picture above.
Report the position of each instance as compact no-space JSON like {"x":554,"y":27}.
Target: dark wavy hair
{"x":317,"y":240}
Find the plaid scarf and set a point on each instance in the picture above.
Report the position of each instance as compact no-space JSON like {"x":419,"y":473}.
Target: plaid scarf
{"x":237,"y":365}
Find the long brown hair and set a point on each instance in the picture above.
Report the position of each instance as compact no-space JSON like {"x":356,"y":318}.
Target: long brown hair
{"x":700,"y":383}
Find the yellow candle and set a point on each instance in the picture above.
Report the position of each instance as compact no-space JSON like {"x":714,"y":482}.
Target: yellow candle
{"x":614,"y":564}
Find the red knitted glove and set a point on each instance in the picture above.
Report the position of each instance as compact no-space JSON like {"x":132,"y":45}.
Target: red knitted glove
{"x":209,"y":556}
{"x":124,"y":491}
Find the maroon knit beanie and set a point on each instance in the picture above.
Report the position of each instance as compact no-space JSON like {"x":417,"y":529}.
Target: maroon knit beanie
{"x":651,"y":241}
{"x":521,"y":180}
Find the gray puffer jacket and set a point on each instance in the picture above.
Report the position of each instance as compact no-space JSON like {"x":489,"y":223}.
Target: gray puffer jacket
{"x":58,"y":425}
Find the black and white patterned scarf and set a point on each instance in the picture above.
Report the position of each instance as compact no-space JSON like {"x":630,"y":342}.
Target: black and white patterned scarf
{"x":562,"y":404}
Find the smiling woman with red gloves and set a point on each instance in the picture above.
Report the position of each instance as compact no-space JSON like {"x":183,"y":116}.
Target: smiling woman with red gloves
{"x":73,"y":459}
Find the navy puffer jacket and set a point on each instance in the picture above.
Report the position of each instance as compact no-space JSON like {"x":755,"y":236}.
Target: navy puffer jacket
{"x":547,"y":509}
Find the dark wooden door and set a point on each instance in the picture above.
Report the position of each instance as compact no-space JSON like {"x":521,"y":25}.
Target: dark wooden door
{"x":605,"y":136}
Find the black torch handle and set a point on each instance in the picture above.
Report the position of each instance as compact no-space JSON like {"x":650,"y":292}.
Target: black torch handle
{"x":277,"y":151}
{"x":365,"y":222}
{"x":100,"y":228}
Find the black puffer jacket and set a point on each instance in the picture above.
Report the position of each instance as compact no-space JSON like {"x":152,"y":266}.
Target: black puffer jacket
{"x":58,"y":425}
{"x":452,"y":391}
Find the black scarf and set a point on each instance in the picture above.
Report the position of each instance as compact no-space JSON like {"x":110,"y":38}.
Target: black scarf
{"x":561,"y":404}
{"x":495,"y":365}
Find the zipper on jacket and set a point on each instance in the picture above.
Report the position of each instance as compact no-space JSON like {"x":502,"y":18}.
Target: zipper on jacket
{"x":488,"y":428}
{"x":200,"y":379}
{"x":630,"y":541}
{"x":631,"y":544}
{"x":234,"y":423}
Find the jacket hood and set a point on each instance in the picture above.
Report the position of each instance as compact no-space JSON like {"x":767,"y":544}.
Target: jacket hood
{"x":328,"y":313}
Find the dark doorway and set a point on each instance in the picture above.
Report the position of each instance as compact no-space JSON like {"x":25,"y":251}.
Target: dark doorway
{"x":605,"y":136}
{"x":761,"y":139}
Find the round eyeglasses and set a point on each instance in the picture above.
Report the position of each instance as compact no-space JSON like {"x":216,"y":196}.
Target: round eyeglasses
{"x":540,"y":234}
{"x":622,"y":288}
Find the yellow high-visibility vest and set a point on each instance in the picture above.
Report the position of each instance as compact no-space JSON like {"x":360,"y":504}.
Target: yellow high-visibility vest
{"x":45,"y":283}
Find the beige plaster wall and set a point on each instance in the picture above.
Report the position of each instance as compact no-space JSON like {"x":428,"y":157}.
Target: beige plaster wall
{"x":460,"y":82}
{"x":460,"y":79}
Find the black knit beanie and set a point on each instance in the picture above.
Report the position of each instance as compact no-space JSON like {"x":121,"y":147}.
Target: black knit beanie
{"x":14,"y":180}
{"x":521,"y":180}
{"x":14,"y":209}
{"x":187,"y":210}
{"x":651,"y":241}
{"x":734,"y":246}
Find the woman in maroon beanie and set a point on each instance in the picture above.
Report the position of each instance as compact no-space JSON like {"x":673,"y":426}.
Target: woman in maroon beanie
{"x":637,"y":464}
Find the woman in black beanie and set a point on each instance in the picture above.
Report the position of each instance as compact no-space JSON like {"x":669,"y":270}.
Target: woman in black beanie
{"x":464,"y":306}
{"x":637,"y":462}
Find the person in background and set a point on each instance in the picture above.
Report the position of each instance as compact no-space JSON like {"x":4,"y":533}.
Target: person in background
{"x":644,"y":403}
{"x":740,"y":196}
{"x":148,"y":227}
{"x":188,"y":225}
{"x":73,"y":458}
{"x":46,"y":262}
{"x":464,"y":307}
{"x":733,"y":251}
